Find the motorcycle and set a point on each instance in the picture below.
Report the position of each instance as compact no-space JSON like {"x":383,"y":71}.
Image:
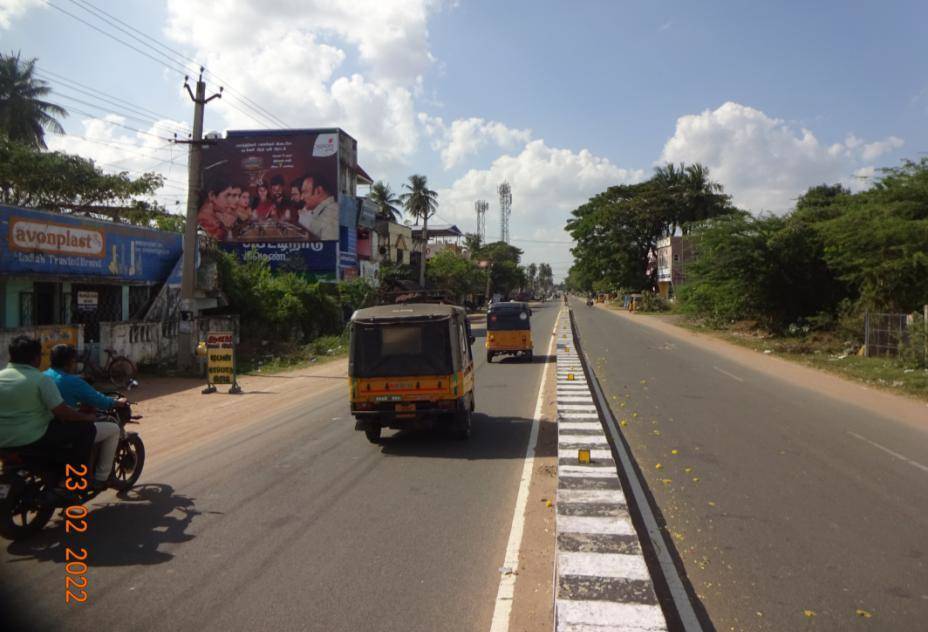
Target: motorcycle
{"x":28,"y":478}
{"x":589,"y":302}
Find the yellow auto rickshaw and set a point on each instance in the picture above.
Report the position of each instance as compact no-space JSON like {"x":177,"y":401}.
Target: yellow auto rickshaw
{"x":411,"y":366}
{"x":509,"y":330}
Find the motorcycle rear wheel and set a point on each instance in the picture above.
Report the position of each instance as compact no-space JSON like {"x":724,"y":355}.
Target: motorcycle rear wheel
{"x":128,"y":463}
{"x":21,"y":514}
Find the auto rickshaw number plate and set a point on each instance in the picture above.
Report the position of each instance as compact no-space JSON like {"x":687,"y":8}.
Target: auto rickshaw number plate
{"x":388,"y":398}
{"x":405,"y":408}
{"x":4,"y":491}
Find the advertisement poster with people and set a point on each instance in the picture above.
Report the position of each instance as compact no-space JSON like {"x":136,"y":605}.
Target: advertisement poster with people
{"x":274,"y":194}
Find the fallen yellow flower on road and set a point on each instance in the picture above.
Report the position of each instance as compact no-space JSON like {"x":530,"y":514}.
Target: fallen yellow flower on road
{"x":658,"y":466}
{"x":809,"y":613}
{"x":635,"y":415}
{"x":695,"y":479}
{"x":711,"y":504}
{"x":623,"y":423}
{"x":688,"y":470}
{"x":666,"y":481}
{"x":863,"y":613}
{"x":675,"y":452}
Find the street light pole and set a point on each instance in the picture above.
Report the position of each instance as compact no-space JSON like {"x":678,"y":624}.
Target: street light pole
{"x":185,"y":334}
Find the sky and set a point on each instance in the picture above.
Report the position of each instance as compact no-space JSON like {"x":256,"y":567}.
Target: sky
{"x":560,"y":99}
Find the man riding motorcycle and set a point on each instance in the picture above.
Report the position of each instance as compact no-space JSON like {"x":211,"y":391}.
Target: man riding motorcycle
{"x":78,"y":393}
{"x":33,"y":415}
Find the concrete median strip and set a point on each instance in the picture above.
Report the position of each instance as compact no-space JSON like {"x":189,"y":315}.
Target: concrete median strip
{"x":602,"y":580}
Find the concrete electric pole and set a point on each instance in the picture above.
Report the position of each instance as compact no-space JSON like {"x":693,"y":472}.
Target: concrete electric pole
{"x":425,"y":247}
{"x":185,"y":347}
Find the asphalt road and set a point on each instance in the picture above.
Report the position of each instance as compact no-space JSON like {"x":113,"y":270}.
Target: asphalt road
{"x":785,"y":512}
{"x":298,"y":523}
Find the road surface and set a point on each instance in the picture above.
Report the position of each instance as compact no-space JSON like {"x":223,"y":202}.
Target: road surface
{"x":296,"y":522}
{"x":789,"y":510}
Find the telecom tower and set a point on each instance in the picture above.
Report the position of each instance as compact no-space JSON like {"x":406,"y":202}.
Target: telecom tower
{"x":482,"y":206}
{"x":505,"y":210}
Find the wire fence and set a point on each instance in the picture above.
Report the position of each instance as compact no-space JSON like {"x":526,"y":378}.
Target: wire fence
{"x":887,"y":334}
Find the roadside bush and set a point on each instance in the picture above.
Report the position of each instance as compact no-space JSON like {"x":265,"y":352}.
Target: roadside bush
{"x":653,"y":302}
{"x":282,"y":306}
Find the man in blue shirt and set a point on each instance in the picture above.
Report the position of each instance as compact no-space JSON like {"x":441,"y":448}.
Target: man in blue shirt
{"x":33,"y":414}
{"x":78,"y":393}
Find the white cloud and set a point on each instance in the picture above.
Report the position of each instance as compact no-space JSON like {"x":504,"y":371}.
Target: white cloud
{"x":764,"y":162}
{"x":12,"y":9}
{"x":115,"y":149}
{"x":547,"y":183}
{"x":287,"y":55}
{"x":877,"y":149}
{"x":466,"y":137}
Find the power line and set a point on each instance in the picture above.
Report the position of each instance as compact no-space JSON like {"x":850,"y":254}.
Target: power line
{"x":145,"y":121}
{"x":113,"y":37}
{"x":91,"y":8}
{"x":128,"y":127}
{"x":53,"y":77}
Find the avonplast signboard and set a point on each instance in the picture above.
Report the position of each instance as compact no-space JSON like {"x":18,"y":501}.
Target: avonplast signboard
{"x":276,"y":193}
{"x":42,"y":243}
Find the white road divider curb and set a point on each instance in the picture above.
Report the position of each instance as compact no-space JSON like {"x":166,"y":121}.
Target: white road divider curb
{"x":602,"y":580}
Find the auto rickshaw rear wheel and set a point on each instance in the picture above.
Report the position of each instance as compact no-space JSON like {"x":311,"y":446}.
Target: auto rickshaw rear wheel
{"x":461,"y":428}
{"x":489,"y":357}
{"x":373,"y":434}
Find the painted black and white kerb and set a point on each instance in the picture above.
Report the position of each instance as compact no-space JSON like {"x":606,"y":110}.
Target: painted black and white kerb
{"x":603,"y":583}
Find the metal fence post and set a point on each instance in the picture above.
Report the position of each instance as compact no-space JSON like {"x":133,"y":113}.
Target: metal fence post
{"x":866,"y":333}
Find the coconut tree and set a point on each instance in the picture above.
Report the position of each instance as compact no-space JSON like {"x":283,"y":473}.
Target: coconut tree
{"x":386,"y":200}
{"x":24,"y":114}
{"x":418,"y":200}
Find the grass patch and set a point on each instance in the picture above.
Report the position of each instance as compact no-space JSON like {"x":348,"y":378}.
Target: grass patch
{"x":824,"y":351}
{"x":268,"y":358}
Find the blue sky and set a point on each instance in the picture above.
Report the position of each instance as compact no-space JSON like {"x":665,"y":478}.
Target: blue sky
{"x":562,"y":99}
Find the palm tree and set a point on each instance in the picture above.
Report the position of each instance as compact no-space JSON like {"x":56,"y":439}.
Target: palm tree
{"x":24,"y":116}
{"x":418,"y":200}
{"x":386,"y":201}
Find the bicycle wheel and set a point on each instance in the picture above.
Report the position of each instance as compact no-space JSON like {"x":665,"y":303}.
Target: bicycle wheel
{"x":121,"y":371}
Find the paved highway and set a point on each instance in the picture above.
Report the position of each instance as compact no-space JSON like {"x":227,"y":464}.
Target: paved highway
{"x":790,"y":510}
{"x":296,"y":522}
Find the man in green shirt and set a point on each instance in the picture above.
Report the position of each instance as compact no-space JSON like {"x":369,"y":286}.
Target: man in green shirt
{"x":32,"y":413}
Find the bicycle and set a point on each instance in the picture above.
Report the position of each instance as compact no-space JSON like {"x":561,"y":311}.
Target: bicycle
{"x":119,"y":369}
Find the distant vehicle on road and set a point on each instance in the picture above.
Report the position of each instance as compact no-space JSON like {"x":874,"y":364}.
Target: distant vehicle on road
{"x":509,"y":330}
{"x":411,"y":366}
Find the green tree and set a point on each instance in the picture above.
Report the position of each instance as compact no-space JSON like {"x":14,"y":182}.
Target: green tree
{"x":418,"y":200}
{"x":531,"y":273}
{"x":506,"y":275}
{"x":387,"y":202}
{"x":24,"y":114}
{"x":57,"y":181}
{"x":448,"y":270}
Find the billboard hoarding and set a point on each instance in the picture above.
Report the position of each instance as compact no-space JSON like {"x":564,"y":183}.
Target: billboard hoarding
{"x":271,"y":187}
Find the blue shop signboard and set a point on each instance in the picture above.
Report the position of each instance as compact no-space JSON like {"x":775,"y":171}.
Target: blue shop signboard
{"x":44,"y":243}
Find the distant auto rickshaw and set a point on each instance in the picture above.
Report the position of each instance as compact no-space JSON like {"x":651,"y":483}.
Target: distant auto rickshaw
{"x":509,"y":330}
{"x":411,"y":366}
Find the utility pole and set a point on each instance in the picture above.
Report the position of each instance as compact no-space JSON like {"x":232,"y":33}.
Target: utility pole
{"x":425,"y":246}
{"x":188,"y":267}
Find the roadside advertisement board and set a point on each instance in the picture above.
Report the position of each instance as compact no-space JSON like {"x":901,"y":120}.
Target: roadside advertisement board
{"x":220,"y":360}
{"x":268,"y":188}
{"x":38,"y":242}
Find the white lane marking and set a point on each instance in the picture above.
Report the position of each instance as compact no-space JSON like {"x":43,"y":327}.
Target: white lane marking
{"x":602,"y":565}
{"x":576,"y":416}
{"x":596,"y":455}
{"x":610,"y":525}
{"x":591,"y":439}
{"x":580,"y":408}
{"x":582,"y":425}
{"x":507,"y":581}
{"x":731,"y":375}
{"x":584,"y":471}
{"x":608,"y":616}
{"x":901,"y":457}
{"x":603,"y":496}
{"x":575,"y":399}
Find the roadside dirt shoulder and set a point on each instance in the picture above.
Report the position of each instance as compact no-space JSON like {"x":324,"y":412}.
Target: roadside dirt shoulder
{"x":177,"y":415}
{"x":533,"y":602}
{"x":910,"y":411}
